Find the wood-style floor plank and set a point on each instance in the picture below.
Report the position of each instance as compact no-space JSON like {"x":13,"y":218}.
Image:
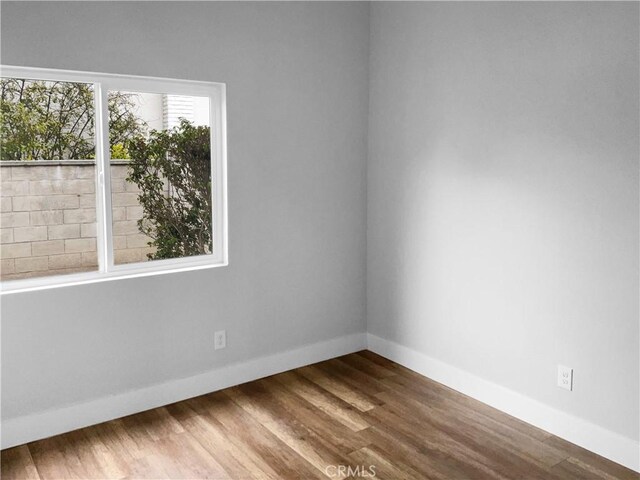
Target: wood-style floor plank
{"x":343,"y":418}
{"x":338,"y":387}
{"x":18,"y":463}
{"x":343,"y":412}
{"x":579,"y":455}
{"x":436,"y":393}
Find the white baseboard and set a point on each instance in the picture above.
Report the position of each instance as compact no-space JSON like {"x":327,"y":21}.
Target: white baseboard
{"x":611,"y":445}
{"x":17,"y":431}
{"x":620,"y":449}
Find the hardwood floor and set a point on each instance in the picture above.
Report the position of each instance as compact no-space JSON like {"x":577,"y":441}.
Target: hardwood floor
{"x":360,"y":411}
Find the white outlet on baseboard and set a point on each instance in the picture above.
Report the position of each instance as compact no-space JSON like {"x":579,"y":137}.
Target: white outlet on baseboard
{"x":565,"y":377}
{"x":219,"y":339}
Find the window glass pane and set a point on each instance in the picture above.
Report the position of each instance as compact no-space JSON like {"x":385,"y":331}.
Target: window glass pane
{"x":160,"y":176}
{"x":48,"y":177}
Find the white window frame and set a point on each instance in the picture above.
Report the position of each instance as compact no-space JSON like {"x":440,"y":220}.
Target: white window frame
{"x":107,"y":269}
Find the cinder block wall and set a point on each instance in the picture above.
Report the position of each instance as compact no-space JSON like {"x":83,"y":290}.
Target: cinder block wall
{"x":48,"y":218}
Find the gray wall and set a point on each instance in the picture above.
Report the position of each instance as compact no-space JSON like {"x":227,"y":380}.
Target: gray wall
{"x":503,"y":195}
{"x":296,"y":77}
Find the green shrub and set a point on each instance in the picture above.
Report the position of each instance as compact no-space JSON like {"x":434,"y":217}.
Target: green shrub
{"x":56,"y":120}
{"x":173,"y":171}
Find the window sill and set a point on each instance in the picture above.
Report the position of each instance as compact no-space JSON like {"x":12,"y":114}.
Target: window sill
{"x":119,"y":273}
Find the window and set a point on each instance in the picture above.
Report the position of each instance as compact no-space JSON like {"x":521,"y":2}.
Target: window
{"x":108,"y":176}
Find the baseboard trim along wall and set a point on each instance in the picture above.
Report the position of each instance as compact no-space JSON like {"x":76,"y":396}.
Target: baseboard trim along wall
{"x":620,"y":449}
{"x":20,"y":430}
{"x":611,"y":445}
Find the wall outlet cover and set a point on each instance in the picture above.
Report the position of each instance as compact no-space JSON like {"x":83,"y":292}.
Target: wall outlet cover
{"x":565,"y":377}
{"x":220,"y":339}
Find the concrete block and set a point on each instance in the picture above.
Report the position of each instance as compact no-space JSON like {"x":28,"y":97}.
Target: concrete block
{"x":118,"y":185}
{"x":54,"y":172}
{"x":14,"y":188}
{"x":32,"y":172}
{"x":80,"y":215}
{"x":32,"y":264}
{"x":134,"y":213}
{"x":88,"y":230}
{"x":6,"y":204}
{"x":48,"y":247}
{"x":79,"y":186}
{"x":46,"y":217}
{"x":7,"y":265}
{"x":126,"y":227}
{"x":119,"y":171}
{"x":21,"y":204}
{"x":137,"y":241}
{"x":87,"y":200}
{"x":129,"y":256}
{"x":90,"y":259}
{"x":6,"y":235}
{"x":87,"y":172}
{"x":56,"y":232}
{"x":119,"y":242}
{"x":119,"y":213}
{"x":78,"y":245}
{"x":29,"y":234}
{"x":124,"y":199}
{"x":15,"y":250}
{"x":46,"y":187}
{"x":68,"y":260}
{"x":14,"y":219}
{"x":54,"y":202}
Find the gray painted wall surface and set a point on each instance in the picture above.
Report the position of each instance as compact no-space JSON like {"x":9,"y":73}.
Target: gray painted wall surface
{"x":503,"y":195}
{"x":296,"y":77}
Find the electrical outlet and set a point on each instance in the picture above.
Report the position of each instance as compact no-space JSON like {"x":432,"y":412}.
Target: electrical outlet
{"x":219,"y":339}
{"x":565,"y":377}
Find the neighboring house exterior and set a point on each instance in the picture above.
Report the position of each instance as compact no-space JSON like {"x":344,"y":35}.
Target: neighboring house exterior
{"x":162,"y":112}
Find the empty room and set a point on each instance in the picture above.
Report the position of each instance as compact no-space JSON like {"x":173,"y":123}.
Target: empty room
{"x":319,"y":240}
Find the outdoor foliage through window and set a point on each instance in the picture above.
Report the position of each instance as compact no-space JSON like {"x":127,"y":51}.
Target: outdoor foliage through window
{"x":56,"y":120}
{"x":170,"y":170}
{"x":175,"y":196}
{"x":161,"y":184}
